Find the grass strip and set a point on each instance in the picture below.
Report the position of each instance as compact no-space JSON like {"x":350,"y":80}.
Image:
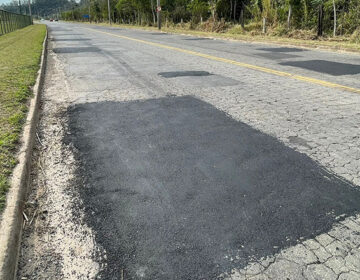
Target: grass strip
{"x":20,"y":53}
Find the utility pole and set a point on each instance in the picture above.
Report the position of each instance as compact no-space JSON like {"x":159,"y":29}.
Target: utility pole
{"x":158,"y":9}
{"x":29,"y":1}
{"x":30,"y":10}
{"x":109,"y":12}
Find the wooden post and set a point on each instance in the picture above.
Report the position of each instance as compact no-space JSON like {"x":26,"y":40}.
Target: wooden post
{"x":289,"y":17}
{"x":264,"y":25}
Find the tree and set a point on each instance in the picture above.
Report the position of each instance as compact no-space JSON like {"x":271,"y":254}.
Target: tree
{"x":334,"y":17}
{"x":199,"y":9}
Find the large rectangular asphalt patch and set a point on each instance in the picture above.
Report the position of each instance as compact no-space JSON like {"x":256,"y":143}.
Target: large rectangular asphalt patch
{"x":176,"y":189}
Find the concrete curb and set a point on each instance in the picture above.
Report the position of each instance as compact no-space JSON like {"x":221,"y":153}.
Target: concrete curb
{"x":12,"y":217}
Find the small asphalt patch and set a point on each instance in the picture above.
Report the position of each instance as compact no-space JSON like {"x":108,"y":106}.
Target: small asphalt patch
{"x":327,"y":67}
{"x":157,"y":33}
{"x":176,"y":189}
{"x":176,"y":74}
{"x":276,"y":55}
{"x":283,"y":49}
{"x":199,"y":79}
{"x":66,"y":34}
{"x":70,"y":39}
{"x":197,"y":39}
{"x":76,"y":50}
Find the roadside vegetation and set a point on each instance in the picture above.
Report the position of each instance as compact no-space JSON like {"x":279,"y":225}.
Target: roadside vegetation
{"x":329,"y":23}
{"x":335,"y":22}
{"x":20,"y":53}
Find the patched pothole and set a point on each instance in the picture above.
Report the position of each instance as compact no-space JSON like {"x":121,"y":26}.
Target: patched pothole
{"x":176,"y":74}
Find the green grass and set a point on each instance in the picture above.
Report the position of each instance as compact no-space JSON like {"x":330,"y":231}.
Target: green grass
{"x":20,"y":53}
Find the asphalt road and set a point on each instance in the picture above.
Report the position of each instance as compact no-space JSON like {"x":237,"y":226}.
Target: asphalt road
{"x":191,"y":166}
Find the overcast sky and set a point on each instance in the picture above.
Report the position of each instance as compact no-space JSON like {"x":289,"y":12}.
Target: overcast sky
{"x":4,"y":1}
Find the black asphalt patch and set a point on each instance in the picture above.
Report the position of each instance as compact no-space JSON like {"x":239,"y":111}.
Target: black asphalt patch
{"x":326,"y":67}
{"x":157,"y":33}
{"x":59,"y":29}
{"x":69,"y":39}
{"x":66,"y":34}
{"x":176,"y":74}
{"x":176,"y":189}
{"x":197,"y":39}
{"x":76,"y":50}
{"x":299,"y":141}
{"x":276,"y":55}
{"x":281,"y":49}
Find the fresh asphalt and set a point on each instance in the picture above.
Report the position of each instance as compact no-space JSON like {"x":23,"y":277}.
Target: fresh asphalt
{"x":173,"y":187}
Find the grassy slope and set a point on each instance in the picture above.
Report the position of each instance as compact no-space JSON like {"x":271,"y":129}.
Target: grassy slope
{"x":337,"y":44}
{"x":20,"y":53}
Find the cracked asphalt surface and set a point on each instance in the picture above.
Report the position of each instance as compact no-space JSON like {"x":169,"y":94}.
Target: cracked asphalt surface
{"x":188,"y":168}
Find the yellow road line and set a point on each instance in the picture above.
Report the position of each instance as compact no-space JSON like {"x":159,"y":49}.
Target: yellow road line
{"x":233,"y":62}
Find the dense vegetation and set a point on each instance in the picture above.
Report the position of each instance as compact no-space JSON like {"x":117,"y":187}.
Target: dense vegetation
{"x":281,"y":17}
{"x":326,"y":17}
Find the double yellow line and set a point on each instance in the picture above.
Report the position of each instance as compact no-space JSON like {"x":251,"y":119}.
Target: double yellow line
{"x":237,"y":63}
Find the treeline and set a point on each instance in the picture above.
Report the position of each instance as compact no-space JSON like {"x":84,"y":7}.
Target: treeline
{"x":335,"y":17}
{"x":328,"y":17}
{"x":39,"y":8}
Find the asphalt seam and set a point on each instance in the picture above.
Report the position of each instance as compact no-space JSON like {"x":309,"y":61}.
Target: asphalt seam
{"x":12,"y":217}
{"x":238,"y":63}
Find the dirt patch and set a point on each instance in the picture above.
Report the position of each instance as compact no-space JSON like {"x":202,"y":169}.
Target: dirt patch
{"x":57,"y":244}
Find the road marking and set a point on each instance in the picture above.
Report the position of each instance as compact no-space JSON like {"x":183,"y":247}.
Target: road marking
{"x":237,"y":63}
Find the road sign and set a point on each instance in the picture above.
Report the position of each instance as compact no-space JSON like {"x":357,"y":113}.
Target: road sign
{"x":158,"y":9}
{"x":86,"y":16}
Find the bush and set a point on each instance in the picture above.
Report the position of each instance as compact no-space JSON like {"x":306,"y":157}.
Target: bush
{"x":236,"y":29}
{"x":355,"y":37}
{"x":279,"y":30}
{"x":215,"y":26}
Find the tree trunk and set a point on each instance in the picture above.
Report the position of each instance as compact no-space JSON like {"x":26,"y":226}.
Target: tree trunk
{"x":153,"y":11}
{"x":231,"y":8}
{"x":334,"y":5}
{"x":235,"y":10}
{"x":305,"y":13}
{"x":320,"y":20}
{"x":289,"y":17}
{"x":242,"y":20}
{"x":213,"y":7}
